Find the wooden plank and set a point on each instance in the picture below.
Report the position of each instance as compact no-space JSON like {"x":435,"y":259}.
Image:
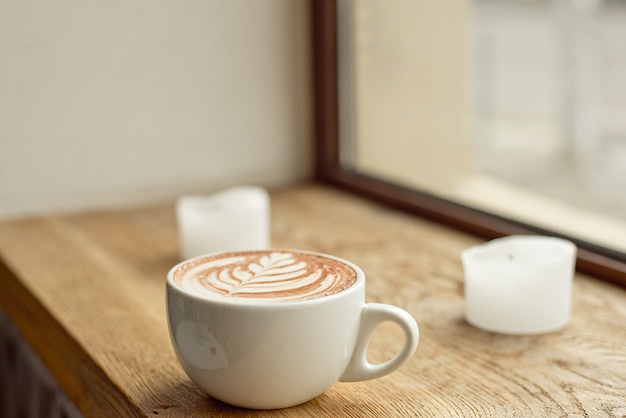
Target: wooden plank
{"x":87,"y":292}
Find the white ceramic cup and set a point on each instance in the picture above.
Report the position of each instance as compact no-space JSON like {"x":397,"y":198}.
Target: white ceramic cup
{"x":263,"y":355}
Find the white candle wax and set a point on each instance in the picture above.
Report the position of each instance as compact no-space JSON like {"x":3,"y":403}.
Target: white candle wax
{"x":234,"y":219}
{"x":519,"y":284}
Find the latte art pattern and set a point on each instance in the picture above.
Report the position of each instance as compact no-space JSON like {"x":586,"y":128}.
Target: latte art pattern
{"x":265,"y":275}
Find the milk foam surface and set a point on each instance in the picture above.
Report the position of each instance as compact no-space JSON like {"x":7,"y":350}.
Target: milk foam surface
{"x":272,"y":276}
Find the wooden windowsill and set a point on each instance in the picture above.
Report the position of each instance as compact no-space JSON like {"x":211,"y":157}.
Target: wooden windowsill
{"x":87,"y":293}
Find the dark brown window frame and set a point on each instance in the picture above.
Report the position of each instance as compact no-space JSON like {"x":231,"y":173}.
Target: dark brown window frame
{"x":598,"y":261}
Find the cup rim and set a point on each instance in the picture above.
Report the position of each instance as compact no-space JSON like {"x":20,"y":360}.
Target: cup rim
{"x":243,"y":302}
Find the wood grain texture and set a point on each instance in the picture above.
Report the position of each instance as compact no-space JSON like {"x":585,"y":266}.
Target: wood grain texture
{"x":87,"y":292}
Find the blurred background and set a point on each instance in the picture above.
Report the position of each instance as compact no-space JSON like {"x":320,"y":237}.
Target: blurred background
{"x":515,"y":107}
{"x":115,"y":103}
{"x":549,"y":98}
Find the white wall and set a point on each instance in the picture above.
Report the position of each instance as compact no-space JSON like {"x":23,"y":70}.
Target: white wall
{"x":109,"y":103}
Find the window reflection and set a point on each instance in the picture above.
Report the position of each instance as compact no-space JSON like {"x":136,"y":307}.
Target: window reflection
{"x":550,"y":98}
{"x":512,"y":106}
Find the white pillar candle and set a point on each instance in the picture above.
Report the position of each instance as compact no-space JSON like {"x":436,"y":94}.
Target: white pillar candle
{"x":234,"y":219}
{"x":520,"y":284}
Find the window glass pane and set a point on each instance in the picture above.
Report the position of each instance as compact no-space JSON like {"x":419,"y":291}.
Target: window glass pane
{"x":512,"y":106}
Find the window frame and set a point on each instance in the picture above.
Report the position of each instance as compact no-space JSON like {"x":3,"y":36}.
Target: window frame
{"x":598,"y":261}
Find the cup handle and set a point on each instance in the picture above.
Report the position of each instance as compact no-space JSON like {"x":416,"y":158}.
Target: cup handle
{"x":372,"y":315}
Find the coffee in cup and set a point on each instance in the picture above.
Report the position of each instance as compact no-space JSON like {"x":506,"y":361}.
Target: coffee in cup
{"x":271,"y":276}
{"x":270,"y":329}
